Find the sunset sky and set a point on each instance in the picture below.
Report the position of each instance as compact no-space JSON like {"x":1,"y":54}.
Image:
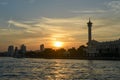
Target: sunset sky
{"x":35,"y":22}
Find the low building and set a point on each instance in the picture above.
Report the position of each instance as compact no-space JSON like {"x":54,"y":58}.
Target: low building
{"x":112,"y":47}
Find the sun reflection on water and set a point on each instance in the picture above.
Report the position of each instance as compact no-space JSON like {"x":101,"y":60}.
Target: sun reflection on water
{"x":59,"y":71}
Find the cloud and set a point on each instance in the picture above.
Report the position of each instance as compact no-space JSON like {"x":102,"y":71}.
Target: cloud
{"x":64,"y":29}
{"x":90,"y":12}
{"x":59,"y":20}
{"x":64,"y":22}
{"x":114,"y":5}
{"x":3,"y":29}
{"x":68,"y":30}
{"x":25,"y":26}
{"x":18,"y":24}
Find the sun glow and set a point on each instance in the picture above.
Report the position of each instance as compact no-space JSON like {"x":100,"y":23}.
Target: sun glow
{"x":58,"y":44}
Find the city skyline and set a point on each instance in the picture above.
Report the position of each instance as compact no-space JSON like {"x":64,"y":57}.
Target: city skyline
{"x":35,"y":22}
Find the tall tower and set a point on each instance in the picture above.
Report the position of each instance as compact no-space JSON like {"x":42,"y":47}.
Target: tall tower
{"x":89,"y":31}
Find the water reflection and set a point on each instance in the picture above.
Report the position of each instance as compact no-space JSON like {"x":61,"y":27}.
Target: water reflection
{"x":91,"y":70}
{"x":58,"y":69}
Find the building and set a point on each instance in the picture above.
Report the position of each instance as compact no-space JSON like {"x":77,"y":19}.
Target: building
{"x":20,"y":53}
{"x":16,"y":52}
{"x":10,"y":50}
{"x":23,"y":49}
{"x":89,"y":31}
{"x":42,"y":47}
{"x":96,"y":48}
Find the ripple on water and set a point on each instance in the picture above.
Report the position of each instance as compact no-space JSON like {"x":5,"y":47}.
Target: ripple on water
{"x":58,"y":69}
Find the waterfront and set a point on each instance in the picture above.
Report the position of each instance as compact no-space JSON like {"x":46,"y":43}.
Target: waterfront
{"x":58,"y":69}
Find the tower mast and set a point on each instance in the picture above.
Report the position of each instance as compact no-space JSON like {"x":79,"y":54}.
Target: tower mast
{"x":89,"y":31}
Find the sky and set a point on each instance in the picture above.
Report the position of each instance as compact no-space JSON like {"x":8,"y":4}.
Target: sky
{"x":35,"y":22}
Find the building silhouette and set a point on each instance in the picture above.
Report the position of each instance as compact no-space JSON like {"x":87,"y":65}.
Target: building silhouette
{"x":96,"y":48}
{"x":89,"y":31}
{"x":16,"y":52}
{"x":42,"y":47}
{"x":10,"y":50}
{"x":21,"y":52}
{"x":23,"y":49}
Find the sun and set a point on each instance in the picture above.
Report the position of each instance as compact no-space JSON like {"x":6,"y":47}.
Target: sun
{"x":58,"y":44}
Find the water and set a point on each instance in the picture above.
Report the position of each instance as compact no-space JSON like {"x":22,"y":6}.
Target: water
{"x":58,"y":69}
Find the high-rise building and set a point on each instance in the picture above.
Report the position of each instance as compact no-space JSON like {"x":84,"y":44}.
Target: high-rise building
{"x":16,"y":52}
{"x":10,"y":50}
{"x":42,"y":47}
{"x":23,"y":49}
